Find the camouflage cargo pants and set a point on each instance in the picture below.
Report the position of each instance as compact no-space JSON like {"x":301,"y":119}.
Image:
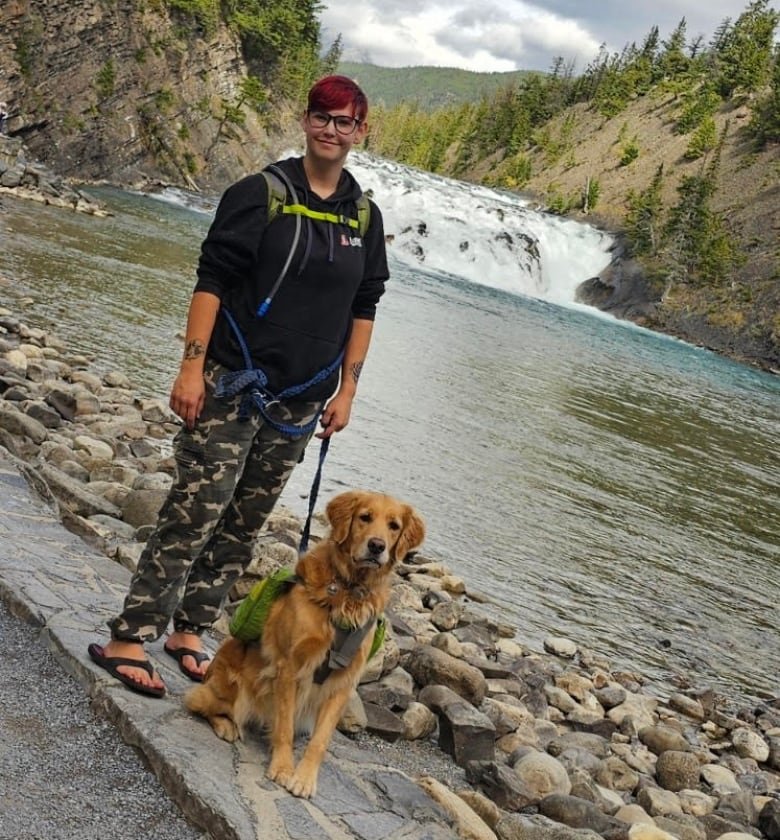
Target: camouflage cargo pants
{"x":229,"y":474}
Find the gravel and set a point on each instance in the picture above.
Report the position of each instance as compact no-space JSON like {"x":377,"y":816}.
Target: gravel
{"x":64,"y":771}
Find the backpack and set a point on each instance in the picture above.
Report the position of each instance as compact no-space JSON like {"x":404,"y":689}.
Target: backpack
{"x":277,"y":203}
{"x":249,"y":619}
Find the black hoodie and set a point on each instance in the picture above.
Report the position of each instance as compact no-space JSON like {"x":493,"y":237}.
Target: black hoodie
{"x":334,"y":276}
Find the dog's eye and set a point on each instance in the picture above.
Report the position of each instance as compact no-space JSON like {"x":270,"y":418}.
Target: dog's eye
{"x":394,"y":526}
{"x":365,"y":517}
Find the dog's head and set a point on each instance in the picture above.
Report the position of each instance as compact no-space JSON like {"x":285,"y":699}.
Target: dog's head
{"x":374,"y":529}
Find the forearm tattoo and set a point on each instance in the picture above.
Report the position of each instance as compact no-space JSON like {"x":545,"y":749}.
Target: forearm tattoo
{"x":355,"y":369}
{"x":194,"y":349}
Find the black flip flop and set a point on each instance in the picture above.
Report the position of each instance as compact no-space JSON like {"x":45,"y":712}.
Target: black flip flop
{"x":198,"y":655}
{"x":112,"y":663}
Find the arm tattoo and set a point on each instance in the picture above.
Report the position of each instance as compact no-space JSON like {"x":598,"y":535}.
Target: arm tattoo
{"x":355,"y":369}
{"x":194,"y":349}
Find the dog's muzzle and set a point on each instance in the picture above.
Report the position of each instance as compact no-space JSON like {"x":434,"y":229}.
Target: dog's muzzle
{"x":375,"y":553}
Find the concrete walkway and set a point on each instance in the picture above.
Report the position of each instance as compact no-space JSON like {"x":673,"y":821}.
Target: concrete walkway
{"x":55,"y":581}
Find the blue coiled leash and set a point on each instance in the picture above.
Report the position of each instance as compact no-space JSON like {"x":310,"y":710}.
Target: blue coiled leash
{"x":252,"y":383}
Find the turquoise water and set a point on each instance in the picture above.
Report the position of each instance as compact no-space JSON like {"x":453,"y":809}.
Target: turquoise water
{"x":594,"y":479}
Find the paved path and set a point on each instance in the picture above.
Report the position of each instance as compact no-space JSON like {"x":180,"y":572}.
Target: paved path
{"x":55,"y":581}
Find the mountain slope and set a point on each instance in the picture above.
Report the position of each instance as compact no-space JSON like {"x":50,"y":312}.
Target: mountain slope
{"x":428,"y":87}
{"x":740,"y":318}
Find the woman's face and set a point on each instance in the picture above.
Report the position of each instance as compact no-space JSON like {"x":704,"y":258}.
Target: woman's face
{"x":326,"y":142}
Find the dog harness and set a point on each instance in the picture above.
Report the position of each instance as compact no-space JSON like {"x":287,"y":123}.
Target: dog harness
{"x":249,"y":620}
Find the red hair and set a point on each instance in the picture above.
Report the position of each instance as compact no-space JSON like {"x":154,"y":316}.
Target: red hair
{"x":338,"y":92}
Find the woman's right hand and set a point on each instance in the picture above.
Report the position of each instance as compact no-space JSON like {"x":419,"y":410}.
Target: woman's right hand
{"x":187,"y":397}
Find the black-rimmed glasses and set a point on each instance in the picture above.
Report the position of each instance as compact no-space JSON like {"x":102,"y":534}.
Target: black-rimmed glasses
{"x":343,"y":124}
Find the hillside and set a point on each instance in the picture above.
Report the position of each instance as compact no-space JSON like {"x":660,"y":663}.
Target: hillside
{"x":676,"y":152}
{"x":428,"y":87}
{"x":130,"y":92}
{"x":740,"y":318}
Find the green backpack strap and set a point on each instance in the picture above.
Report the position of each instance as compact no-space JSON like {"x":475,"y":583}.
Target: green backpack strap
{"x":277,"y":203}
{"x":277,"y":194}
{"x":364,"y":214}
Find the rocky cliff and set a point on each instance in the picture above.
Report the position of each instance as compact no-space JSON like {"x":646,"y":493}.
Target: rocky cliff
{"x":127,"y":91}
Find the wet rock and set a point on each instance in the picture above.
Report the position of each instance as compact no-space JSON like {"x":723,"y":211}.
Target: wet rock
{"x":19,"y":424}
{"x":501,"y":784}
{"x":43,"y":413}
{"x":659,"y":739}
{"x":696,"y":802}
{"x":543,"y":774}
{"x":681,"y":826}
{"x":74,"y":495}
{"x":560,"y":646}
{"x":141,"y":507}
{"x":676,"y":770}
{"x":383,"y":722}
{"x":769,"y":820}
{"x":467,"y":822}
{"x":610,"y":696}
{"x":749,"y":744}
{"x":658,"y":802}
{"x":419,"y":722}
{"x":687,"y":705}
{"x":716,"y":826}
{"x":430,"y":666}
{"x":578,"y":813}
{"x":464,"y":732}
{"x":615,"y":774}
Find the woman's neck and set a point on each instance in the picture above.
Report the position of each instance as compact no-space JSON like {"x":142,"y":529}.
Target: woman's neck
{"x":323,"y":179}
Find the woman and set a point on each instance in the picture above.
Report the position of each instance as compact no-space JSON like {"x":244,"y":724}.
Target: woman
{"x":276,"y":304}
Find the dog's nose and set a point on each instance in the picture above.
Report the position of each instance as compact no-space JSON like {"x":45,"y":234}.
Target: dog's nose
{"x":376,"y":546}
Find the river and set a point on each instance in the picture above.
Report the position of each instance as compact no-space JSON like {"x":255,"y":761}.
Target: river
{"x":596,"y":480}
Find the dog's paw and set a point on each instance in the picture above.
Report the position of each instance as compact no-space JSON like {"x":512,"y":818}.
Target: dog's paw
{"x":280,"y":773}
{"x":225,"y":728}
{"x":302,"y":785}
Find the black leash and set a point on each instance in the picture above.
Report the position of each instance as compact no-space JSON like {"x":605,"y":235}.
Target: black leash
{"x":315,"y":488}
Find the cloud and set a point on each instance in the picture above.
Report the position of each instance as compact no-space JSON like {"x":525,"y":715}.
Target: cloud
{"x":488,"y":35}
{"x":513,"y":37}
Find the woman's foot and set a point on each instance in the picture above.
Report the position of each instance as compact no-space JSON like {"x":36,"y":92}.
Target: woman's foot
{"x":187,"y":650}
{"x":117,"y":657}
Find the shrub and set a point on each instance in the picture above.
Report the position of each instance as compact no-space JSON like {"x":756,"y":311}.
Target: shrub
{"x":703,"y":140}
{"x":629,"y":153}
{"x":106,"y":80}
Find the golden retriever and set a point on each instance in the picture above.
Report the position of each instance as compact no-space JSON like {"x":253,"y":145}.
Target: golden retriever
{"x":344,"y":581}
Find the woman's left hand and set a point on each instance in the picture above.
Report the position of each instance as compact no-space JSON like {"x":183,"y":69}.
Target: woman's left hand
{"x":335,"y":416}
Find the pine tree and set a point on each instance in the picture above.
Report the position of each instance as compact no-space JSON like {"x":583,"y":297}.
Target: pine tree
{"x":745,"y":55}
{"x":645,"y":216}
{"x":765,"y":124}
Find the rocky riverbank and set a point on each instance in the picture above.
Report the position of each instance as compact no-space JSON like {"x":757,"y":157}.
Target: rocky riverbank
{"x":24,"y":177}
{"x":513,"y":743}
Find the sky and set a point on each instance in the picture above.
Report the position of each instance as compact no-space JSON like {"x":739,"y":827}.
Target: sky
{"x":503,"y":35}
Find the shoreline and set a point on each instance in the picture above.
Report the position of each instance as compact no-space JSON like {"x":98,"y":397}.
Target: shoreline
{"x":555,"y":737}
{"x":620,"y":289}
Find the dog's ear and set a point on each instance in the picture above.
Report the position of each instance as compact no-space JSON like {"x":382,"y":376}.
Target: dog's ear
{"x":412,"y":535}
{"x":340,"y":510}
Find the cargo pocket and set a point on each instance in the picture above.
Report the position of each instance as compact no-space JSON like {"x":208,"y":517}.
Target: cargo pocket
{"x":189,"y":455}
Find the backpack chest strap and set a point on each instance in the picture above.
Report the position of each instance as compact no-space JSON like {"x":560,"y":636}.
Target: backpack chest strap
{"x":319,"y":215}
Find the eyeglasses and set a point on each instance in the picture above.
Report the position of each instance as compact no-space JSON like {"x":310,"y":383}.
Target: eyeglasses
{"x":342,"y":124}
